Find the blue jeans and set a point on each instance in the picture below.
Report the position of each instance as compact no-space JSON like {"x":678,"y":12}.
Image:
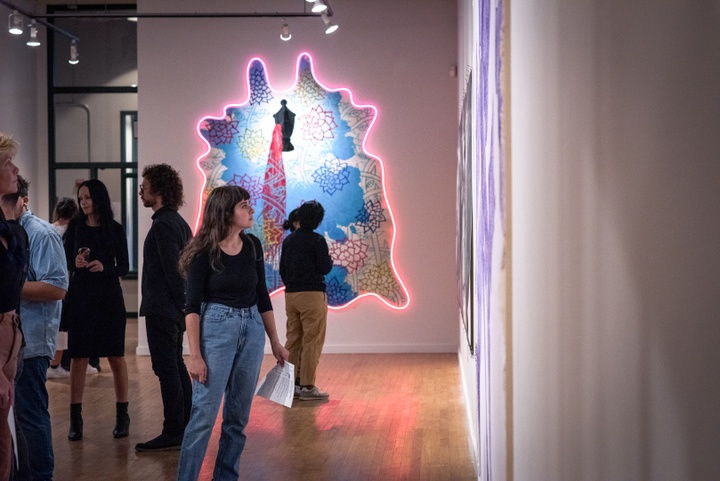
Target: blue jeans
{"x":31,"y":411}
{"x":231,"y":343}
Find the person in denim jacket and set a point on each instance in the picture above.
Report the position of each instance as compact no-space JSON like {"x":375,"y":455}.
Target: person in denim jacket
{"x":45,"y":287}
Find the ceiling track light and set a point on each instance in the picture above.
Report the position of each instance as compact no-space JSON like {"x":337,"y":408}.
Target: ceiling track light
{"x":74,"y":57}
{"x":330,"y":27}
{"x":33,"y":41}
{"x":15,"y":23}
{"x":319,"y":6}
{"x":285,"y":32}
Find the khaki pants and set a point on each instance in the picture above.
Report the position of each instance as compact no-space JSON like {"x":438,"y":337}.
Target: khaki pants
{"x":10,"y":340}
{"x":306,"y":326}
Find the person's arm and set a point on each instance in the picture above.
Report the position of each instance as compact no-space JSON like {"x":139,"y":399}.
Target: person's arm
{"x":167,"y":248}
{"x":322,"y":254}
{"x":69,"y":245}
{"x":42,"y":291}
{"x":278,"y":350}
{"x":196,"y":277}
{"x":119,"y":264}
{"x":196,"y":365}
{"x":48,"y":268}
{"x":265,"y":306}
{"x":7,"y":391}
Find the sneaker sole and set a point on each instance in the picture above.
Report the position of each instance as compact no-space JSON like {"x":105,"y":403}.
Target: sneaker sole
{"x":313,"y":398}
{"x":157,"y":450}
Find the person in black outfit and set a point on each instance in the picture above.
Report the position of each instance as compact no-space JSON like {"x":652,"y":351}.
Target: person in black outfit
{"x":13,"y":260}
{"x":304,"y":262}
{"x":163,"y":301}
{"x":97,"y":255}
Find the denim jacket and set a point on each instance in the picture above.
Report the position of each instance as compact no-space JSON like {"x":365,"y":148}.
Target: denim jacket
{"x":41,"y":319}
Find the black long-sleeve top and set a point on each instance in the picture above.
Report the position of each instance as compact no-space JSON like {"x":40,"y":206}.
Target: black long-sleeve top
{"x":13,"y":262}
{"x":304,"y":261}
{"x":240,"y":283}
{"x":163,"y":288}
{"x":107,"y":244}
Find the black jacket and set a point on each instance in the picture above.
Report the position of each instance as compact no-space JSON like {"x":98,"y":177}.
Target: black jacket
{"x":304,"y":261}
{"x":163,"y":288}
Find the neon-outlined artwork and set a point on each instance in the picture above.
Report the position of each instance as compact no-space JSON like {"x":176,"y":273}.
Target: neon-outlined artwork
{"x":328,"y":163}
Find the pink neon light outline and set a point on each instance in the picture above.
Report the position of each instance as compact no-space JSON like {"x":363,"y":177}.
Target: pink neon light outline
{"x":367,"y":134}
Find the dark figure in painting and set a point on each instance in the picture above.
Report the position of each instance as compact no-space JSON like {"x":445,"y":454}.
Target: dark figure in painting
{"x":286,"y":119}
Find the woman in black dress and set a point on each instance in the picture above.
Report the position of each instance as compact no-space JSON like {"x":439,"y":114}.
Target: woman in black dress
{"x":96,"y":249}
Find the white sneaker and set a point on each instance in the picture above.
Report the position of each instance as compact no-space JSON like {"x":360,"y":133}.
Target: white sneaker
{"x":57,"y":373}
{"x":91,"y":370}
{"x":312,"y":394}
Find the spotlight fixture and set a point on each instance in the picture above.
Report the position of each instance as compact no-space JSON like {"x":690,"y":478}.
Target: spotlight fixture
{"x":73,"y":53}
{"x":285,"y":32}
{"x":33,"y":41}
{"x":319,"y":6}
{"x":330,"y":27}
{"x":15,"y":23}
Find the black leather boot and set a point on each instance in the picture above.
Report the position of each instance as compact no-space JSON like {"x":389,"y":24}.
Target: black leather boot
{"x":122,"y":421}
{"x":76,"y":422}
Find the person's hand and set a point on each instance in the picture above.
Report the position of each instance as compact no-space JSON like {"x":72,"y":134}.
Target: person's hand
{"x":81,"y":261}
{"x":197,"y":369}
{"x":280,"y":353}
{"x":7,"y":392}
{"x":95,"y":266}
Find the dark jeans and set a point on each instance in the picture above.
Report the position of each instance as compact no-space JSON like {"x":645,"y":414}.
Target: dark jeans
{"x":165,"y":338}
{"x":33,"y":417}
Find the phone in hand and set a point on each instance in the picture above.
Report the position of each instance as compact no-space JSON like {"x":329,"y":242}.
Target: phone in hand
{"x":84,"y":252}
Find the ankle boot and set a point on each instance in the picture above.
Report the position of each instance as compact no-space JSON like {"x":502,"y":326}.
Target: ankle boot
{"x":76,"y":422}
{"x":122,"y":421}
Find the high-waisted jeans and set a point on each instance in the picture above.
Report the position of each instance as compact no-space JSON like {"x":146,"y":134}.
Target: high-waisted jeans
{"x":231,"y":343}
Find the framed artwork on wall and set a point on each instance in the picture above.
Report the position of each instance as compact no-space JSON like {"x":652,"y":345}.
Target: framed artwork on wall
{"x":308,"y":143}
{"x":465,"y":221}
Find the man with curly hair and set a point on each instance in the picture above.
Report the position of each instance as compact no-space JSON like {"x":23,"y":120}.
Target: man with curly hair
{"x":163,"y":301}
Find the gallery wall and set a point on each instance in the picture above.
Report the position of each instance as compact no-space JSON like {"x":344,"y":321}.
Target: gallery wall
{"x":396,"y":56}
{"x":616,"y":269}
{"x":22,"y":110}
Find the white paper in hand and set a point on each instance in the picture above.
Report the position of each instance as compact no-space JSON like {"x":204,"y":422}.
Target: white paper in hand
{"x":13,"y":433}
{"x":278,"y":385}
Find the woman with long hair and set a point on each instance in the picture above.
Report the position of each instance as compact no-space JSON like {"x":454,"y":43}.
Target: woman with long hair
{"x":97,"y":253}
{"x":227,"y":314}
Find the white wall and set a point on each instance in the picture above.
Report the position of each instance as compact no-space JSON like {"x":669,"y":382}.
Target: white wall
{"x":22,"y":110}
{"x":395,"y":55}
{"x":615,"y":116}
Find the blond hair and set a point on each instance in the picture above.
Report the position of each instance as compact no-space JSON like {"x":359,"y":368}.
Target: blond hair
{"x":8,"y":145}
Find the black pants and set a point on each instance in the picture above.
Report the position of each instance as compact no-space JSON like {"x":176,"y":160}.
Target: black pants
{"x":165,"y":338}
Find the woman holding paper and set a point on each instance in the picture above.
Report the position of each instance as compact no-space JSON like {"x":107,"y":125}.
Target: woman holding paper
{"x":227,"y":313}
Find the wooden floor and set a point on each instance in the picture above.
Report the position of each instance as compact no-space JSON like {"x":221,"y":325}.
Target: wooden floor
{"x":389,"y":417}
